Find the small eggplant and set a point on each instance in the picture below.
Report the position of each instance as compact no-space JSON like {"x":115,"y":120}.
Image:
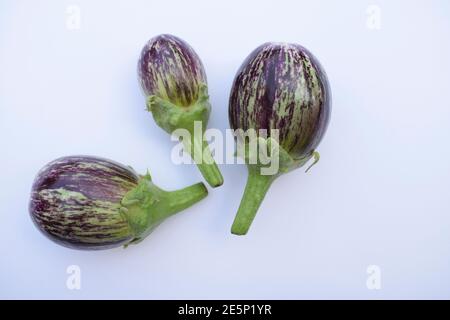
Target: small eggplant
{"x":90,"y":203}
{"x":279,"y":86}
{"x":173,"y":79}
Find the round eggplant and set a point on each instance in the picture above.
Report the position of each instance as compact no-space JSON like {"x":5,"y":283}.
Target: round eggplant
{"x":173,"y":79}
{"x":85,"y":202}
{"x":281,"y":92}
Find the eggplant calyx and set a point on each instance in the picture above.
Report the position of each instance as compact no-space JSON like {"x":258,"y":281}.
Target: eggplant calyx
{"x":270,"y":157}
{"x":170,"y":116}
{"x":146,"y":206}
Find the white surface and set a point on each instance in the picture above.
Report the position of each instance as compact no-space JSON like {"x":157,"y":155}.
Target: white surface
{"x":379,"y":196}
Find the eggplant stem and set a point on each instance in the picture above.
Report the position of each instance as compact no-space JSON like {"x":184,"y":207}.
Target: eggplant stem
{"x":255,"y":191}
{"x":200,"y":153}
{"x":179,"y":200}
{"x":316,"y":157}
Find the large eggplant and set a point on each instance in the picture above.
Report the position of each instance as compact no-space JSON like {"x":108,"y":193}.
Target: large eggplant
{"x":174,"y":81}
{"x":279,"y":86}
{"x":86,"y":202}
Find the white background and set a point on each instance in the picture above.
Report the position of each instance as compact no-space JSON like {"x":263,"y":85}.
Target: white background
{"x":379,"y":196}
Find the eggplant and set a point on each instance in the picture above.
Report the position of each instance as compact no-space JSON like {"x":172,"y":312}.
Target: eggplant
{"x":282,"y":93}
{"x":173,"y":79}
{"x":91,"y":203}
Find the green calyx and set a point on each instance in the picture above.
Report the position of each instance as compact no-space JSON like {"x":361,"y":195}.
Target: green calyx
{"x":172,"y":117}
{"x":146,"y":206}
{"x":264,"y":163}
{"x":267,"y":153}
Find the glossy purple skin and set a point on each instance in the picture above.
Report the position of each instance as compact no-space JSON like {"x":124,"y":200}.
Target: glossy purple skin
{"x":75,"y":202}
{"x":170,"y":69}
{"x":282,"y":86}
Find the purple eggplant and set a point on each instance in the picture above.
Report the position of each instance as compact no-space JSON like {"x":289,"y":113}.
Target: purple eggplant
{"x":279,"y":86}
{"x":85,"y":202}
{"x":173,"y":79}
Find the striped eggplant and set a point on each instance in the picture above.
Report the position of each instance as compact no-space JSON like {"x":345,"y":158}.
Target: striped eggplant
{"x":283,"y":87}
{"x":173,"y":79}
{"x":85,"y":202}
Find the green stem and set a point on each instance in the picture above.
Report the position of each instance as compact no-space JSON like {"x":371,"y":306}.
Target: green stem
{"x":255,"y":190}
{"x":205,"y":162}
{"x":181,"y":199}
{"x":146,"y":206}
